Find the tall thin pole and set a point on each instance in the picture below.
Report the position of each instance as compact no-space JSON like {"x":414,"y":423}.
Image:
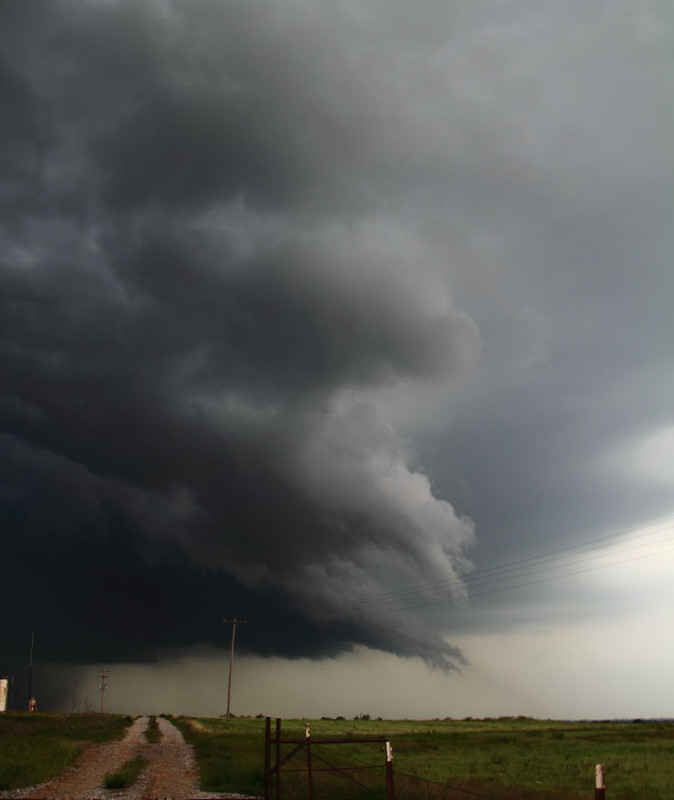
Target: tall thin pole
{"x":103,"y":675}
{"x":30,"y":669}
{"x":278,"y":758}
{"x":267,"y":758}
{"x":233,"y":622}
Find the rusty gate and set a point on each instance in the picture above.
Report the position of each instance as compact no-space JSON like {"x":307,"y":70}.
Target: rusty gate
{"x":272,"y":772}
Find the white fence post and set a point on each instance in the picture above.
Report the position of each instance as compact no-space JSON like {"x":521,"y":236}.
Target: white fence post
{"x":389,"y":771}
{"x":599,"y":782}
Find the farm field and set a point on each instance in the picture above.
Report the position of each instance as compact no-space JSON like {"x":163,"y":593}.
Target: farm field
{"x":500,"y":758}
{"x":497,"y":759}
{"x":35,"y":747}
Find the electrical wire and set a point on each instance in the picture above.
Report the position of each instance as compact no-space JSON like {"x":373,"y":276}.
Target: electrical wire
{"x":449,"y":786}
{"x":518,"y":574}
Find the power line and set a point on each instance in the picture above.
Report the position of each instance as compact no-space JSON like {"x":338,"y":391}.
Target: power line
{"x":446,"y":786}
{"x":506,"y":576}
{"x":535,"y":581}
{"x":490,"y":572}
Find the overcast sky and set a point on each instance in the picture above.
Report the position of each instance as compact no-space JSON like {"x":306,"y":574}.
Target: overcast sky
{"x":350,"y":319}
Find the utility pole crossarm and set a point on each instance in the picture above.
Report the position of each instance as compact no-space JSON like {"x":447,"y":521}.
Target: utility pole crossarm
{"x":233,"y":622}
{"x":104,"y":674}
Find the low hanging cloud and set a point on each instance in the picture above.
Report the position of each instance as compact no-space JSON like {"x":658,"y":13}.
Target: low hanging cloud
{"x":197,"y":333}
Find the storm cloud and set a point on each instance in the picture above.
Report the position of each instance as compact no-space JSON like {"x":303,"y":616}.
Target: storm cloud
{"x":196,"y":328}
{"x":305,"y":305}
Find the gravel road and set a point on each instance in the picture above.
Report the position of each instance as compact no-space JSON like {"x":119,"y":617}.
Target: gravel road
{"x":171,"y":773}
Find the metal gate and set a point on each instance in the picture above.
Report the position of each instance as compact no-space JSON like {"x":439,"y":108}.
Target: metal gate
{"x":306,"y":745}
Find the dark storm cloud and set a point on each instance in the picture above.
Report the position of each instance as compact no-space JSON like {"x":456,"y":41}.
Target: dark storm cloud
{"x":187,"y":363}
{"x":247,"y":253}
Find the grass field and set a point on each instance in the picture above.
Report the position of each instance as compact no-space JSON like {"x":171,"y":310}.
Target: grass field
{"x":35,"y":747}
{"x":501,"y":758}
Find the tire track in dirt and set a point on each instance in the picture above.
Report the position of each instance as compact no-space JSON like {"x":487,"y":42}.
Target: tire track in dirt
{"x":171,"y":773}
{"x":85,"y":779}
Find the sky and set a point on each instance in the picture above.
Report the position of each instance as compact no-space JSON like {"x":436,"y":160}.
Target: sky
{"x":350,"y":320}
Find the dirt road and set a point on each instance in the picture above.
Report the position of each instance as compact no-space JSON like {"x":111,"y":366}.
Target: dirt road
{"x":171,"y":772}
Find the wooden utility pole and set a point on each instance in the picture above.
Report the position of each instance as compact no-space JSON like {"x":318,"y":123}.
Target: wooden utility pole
{"x":233,"y":622}
{"x":103,"y":675}
{"x":30,"y":671}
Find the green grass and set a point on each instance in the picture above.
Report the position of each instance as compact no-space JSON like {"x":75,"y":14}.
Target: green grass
{"x":35,"y":747}
{"x":126,"y":775}
{"x":229,"y":753}
{"x":501,"y":758}
{"x":152,"y":732}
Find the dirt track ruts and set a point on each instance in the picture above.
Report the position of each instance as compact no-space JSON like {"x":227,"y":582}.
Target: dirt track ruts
{"x":171,"y":773}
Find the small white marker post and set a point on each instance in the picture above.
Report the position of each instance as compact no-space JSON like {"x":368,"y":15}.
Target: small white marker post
{"x":310,"y":782}
{"x":599,"y":782}
{"x":389,"y":771}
